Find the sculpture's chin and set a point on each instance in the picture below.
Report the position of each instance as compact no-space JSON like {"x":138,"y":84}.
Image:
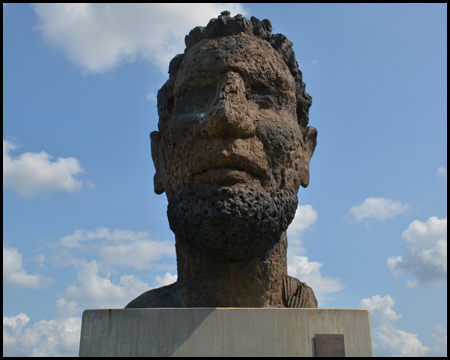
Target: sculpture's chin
{"x":231,"y":223}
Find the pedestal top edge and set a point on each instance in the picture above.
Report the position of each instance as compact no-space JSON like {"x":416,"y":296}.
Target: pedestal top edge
{"x":224,"y":308}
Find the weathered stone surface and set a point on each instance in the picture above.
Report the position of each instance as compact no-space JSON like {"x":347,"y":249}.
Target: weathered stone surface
{"x":204,"y":281}
{"x":232,"y":150}
{"x":231,"y":223}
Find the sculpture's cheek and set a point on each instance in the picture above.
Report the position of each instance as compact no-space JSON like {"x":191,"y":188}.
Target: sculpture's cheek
{"x":283,"y":150}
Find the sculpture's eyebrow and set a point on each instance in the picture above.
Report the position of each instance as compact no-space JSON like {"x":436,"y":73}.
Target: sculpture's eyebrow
{"x":204,"y":74}
{"x":253,"y":76}
{"x":190,"y":88}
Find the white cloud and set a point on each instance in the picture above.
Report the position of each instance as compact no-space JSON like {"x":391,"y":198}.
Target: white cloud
{"x":61,"y":337}
{"x":426,"y":256}
{"x":305,"y":216}
{"x":438,"y":340}
{"x":44,"y":338}
{"x":32,"y":173}
{"x":381,"y":313}
{"x":399,"y":343}
{"x":309,"y":272}
{"x":14,"y":273}
{"x":299,"y":266}
{"x":74,"y":240}
{"x":95,"y":287}
{"x":95,"y":291}
{"x":442,"y":172}
{"x":12,"y":328}
{"x":139,"y":255}
{"x":387,"y":340}
{"x":166,"y":280}
{"x":378,"y":208}
{"x":98,"y":37}
{"x":121,"y":247}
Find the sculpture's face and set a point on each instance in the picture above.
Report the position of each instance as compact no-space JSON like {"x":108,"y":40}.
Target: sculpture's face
{"x":233,"y":126}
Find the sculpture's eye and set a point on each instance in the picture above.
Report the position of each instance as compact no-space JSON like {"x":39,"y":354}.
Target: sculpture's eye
{"x":261,"y":90}
{"x":200,"y":110}
{"x":262,"y":95}
{"x":263,"y":104}
{"x":198,"y":115}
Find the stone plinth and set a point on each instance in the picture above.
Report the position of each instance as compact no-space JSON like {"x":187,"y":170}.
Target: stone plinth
{"x":221,"y":331}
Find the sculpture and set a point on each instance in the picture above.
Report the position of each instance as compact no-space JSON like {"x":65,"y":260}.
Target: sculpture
{"x":232,"y":149}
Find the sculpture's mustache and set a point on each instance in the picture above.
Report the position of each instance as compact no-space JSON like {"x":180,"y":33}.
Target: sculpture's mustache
{"x":234,"y":154}
{"x":249,"y":155}
{"x":223,"y":159}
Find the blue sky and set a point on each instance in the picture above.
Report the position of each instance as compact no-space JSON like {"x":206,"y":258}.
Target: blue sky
{"x":83,"y":229}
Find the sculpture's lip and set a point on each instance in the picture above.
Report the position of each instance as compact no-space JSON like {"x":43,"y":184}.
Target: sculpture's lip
{"x":225,"y":176}
{"x":229,"y":161}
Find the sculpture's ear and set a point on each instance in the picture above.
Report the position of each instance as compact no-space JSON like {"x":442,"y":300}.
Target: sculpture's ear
{"x":310,"y":142}
{"x":158,"y":161}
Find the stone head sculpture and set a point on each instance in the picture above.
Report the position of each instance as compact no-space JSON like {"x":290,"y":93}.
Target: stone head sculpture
{"x":232,"y":150}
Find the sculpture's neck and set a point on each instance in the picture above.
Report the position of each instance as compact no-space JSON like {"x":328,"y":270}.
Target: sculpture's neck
{"x":256,"y":282}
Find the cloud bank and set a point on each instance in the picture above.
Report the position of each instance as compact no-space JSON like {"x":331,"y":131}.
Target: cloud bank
{"x":387,"y":340}
{"x":426,"y":256}
{"x":299,"y":266}
{"x":95,"y":290}
{"x":99,"y":37}
{"x":33,"y":173}
{"x":378,"y":208}
{"x":305,"y":216}
{"x":98,"y":284}
{"x":14,"y":272}
{"x":120,"y":248}
{"x":43,"y":339}
{"x":97,"y":255}
{"x":309,"y":272}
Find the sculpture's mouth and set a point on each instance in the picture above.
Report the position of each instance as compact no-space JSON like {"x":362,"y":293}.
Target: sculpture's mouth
{"x":225,"y":176}
{"x":228,"y":164}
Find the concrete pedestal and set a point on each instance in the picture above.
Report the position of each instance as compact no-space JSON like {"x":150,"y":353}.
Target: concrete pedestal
{"x":221,"y":331}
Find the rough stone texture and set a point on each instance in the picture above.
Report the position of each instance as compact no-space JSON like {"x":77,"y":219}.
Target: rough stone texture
{"x":232,"y":150}
{"x":226,"y":25}
{"x":231,"y":223}
{"x":256,"y":282}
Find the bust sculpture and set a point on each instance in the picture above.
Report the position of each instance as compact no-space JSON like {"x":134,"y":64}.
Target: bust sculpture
{"x":232,"y":150}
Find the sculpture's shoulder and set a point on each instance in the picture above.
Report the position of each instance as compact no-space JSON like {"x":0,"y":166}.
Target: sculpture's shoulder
{"x":165,"y":296}
{"x":297,"y":294}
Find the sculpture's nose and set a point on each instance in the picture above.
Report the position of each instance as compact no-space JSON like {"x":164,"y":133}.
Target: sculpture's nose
{"x":230,"y":114}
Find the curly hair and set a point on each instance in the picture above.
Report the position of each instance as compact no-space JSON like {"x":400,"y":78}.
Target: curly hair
{"x":225,"y":25}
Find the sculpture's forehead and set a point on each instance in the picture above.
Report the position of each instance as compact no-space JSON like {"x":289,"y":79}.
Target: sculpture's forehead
{"x":254,"y":59}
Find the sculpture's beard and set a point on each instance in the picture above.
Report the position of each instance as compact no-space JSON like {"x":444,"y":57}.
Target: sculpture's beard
{"x":230,"y":223}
